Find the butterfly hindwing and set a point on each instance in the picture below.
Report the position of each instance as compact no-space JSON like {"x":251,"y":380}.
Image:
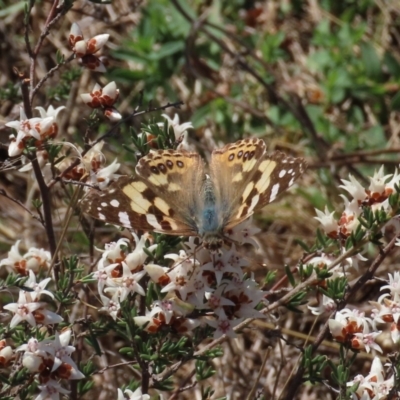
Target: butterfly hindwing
{"x":114,"y":206}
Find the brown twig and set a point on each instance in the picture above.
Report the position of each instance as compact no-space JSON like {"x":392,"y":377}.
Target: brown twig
{"x":79,"y":183}
{"x":49,"y":74}
{"x":48,"y":25}
{"x":4,"y":194}
{"x":44,"y":190}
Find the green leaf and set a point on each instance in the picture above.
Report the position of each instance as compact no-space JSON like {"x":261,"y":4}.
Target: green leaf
{"x":371,"y":60}
{"x":395,"y":103}
{"x":167,"y":50}
{"x":14,"y":9}
{"x":392,"y":64}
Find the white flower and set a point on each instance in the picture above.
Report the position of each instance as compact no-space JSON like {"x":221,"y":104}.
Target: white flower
{"x":51,"y":391}
{"x":223,"y":325}
{"x":366,"y":341}
{"x":23,"y":310}
{"x":103,"y":176}
{"x":6,"y":353}
{"x":34,"y":259}
{"x":227,"y":261}
{"x":179,"y":129}
{"x":136,"y":395}
{"x":394,"y":285}
{"x":355,"y":189}
{"x":61,"y":352}
{"x":25,"y":125}
{"x":378,"y":185}
{"x":38,"y":288}
{"x":328,"y":222}
{"x":111,"y":306}
{"x":244,"y":233}
{"x":327,"y":305}
{"x":50,"y":112}
{"x":17,"y":144}
{"x":126,"y":284}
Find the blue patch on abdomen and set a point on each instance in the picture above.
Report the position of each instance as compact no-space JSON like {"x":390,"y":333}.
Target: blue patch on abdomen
{"x":209,"y":219}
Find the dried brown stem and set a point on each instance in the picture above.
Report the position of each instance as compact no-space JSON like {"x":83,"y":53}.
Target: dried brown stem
{"x":4,"y":194}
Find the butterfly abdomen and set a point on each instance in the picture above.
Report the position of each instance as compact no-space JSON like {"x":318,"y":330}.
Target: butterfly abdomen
{"x":208,"y":221}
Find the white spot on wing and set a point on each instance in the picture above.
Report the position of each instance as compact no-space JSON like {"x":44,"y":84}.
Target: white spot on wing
{"x":124,"y":219}
{"x":282,"y":173}
{"x":274,"y":192}
{"x":104,"y":204}
{"x":152,"y":220}
{"x":254,"y":202}
{"x":114,"y":203}
{"x":102,"y":217}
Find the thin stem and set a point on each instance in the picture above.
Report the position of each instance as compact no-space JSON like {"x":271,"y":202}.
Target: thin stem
{"x":4,"y":194}
{"x":49,"y":74}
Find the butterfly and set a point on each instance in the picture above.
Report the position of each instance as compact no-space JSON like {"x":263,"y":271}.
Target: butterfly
{"x":171,"y":192}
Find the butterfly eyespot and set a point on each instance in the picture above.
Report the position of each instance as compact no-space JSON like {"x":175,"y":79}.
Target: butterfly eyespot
{"x":162,"y":168}
{"x":240,"y":154}
{"x":231,"y":157}
{"x":246,"y":155}
{"x":154,"y":170}
{"x":180,"y":164}
{"x":251,"y":154}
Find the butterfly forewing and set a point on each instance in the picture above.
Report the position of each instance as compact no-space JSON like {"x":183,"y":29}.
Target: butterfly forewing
{"x":163,"y":197}
{"x":247,"y":178}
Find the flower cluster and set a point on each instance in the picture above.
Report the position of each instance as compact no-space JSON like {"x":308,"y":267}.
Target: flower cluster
{"x":85,"y":49}
{"x":388,"y":306}
{"x":92,"y":168}
{"x":180,"y":132}
{"x":28,"y":307}
{"x":119,"y":272}
{"x":34,"y":131}
{"x":212,"y":284}
{"x":352,"y":327}
{"x":374,"y":385}
{"x":104,"y":98}
{"x":34,"y":260}
{"x":376,"y":197}
{"x":50,"y":360}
